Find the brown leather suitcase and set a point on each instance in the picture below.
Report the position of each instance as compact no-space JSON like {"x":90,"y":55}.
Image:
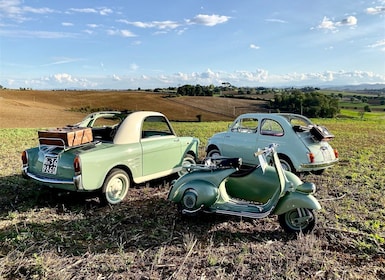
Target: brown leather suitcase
{"x":66,"y":136}
{"x":321,"y":133}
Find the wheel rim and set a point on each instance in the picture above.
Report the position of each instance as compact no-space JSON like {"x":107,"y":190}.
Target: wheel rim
{"x":285,"y":165}
{"x":298,"y":219}
{"x":116,"y":189}
{"x":187,"y":162}
{"x":214,"y":154}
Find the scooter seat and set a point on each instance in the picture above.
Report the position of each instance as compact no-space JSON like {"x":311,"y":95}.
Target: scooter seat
{"x":244,"y":172}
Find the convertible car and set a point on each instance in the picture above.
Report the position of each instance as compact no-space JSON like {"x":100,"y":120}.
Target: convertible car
{"x":303,"y":146}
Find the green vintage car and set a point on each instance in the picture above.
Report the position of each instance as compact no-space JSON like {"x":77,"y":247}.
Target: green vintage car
{"x":125,"y":148}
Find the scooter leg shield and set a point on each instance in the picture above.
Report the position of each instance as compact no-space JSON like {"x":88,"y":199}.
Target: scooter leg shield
{"x":296,"y":200}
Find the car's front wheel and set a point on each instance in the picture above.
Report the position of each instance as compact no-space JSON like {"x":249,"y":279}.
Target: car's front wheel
{"x":213,"y":153}
{"x":188,"y":161}
{"x":115,"y":187}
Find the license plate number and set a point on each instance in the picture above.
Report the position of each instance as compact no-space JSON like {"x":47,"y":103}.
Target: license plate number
{"x":50,"y":165}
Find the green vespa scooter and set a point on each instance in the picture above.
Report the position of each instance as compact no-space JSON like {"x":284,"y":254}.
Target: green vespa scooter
{"x":219,"y":185}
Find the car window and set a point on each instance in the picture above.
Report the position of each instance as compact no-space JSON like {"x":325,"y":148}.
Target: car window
{"x":103,"y":122}
{"x":299,"y":122}
{"x":271,"y":127}
{"x":155,"y":126}
{"x":245,"y":125}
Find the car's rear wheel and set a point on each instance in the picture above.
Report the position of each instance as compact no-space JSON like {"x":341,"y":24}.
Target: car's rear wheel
{"x":115,"y":187}
{"x":286,"y":163}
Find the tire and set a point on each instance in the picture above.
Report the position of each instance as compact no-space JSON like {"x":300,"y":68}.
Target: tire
{"x":213,"y":153}
{"x":289,"y":220}
{"x":286,"y":163}
{"x":115,"y":187}
{"x":187,"y":161}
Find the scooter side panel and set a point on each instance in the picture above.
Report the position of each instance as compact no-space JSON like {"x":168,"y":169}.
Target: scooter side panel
{"x":207,"y":194}
{"x":295,"y":200}
{"x":257,"y":186}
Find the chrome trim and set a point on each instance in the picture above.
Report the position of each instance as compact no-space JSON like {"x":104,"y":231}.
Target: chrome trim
{"x":46,"y":180}
{"x":313,"y":166}
{"x":77,"y":180}
{"x":245,"y":214}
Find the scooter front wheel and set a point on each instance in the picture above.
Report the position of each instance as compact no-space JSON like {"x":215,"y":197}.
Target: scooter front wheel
{"x":298,"y":220}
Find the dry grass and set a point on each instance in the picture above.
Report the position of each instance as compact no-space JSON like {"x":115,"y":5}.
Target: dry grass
{"x":46,"y":234}
{"x":58,"y":108}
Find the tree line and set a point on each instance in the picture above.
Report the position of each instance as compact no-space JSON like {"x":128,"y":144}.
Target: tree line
{"x":312,"y":104}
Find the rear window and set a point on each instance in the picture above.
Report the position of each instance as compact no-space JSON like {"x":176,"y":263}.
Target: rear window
{"x":156,"y":126}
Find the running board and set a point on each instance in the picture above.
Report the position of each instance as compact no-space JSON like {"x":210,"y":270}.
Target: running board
{"x":243,"y":214}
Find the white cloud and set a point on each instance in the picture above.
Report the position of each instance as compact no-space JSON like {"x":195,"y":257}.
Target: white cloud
{"x":276,"y":20}
{"x":101,"y":11}
{"x":326,"y":24}
{"x":67,"y":24}
{"x":376,"y":10}
{"x":238,"y":78}
{"x":208,"y":20}
{"x":15,"y":10}
{"x":349,"y":21}
{"x":116,"y":78}
{"x":331,"y":25}
{"x":123,"y":33}
{"x":134,"y":67}
{"x":379,"y":44}
{"x":168,"y":24}
{"x":37,"y":34}
{"x":255,"y":47}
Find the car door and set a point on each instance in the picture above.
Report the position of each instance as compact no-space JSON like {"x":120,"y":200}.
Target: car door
{"x":161,"y":148}
{"x":241,"y":140}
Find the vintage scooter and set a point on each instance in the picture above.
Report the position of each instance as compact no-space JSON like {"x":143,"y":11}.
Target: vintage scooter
{"x":220,"y":185}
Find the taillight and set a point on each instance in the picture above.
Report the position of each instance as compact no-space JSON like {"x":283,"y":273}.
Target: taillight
{"x":336,"y":154}
{"x":77,"y":165}
{"x":311,"y":157}
{"x":24,"y":158}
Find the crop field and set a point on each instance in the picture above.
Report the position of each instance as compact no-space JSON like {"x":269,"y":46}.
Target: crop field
{"x":47,"y":234}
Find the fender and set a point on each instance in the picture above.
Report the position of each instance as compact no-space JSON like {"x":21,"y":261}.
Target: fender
{"x":207,"y":193}
{"x":295,"y":200}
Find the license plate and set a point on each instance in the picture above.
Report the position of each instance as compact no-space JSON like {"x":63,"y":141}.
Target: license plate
{"x":50,"y":165}
{"x":326,"y":154}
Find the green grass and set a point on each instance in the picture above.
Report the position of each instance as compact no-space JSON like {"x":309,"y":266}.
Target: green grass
{"x":44,"y":235}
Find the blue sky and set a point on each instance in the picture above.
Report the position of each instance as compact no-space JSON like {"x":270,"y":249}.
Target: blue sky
{"x":124,"y":44}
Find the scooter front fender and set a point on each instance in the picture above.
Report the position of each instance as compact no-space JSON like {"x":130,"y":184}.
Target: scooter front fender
{"x":206,"y":193}
{"x":295,"y":200}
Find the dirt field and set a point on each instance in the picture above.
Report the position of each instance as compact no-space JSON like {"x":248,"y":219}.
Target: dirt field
{"x":36,"y":109}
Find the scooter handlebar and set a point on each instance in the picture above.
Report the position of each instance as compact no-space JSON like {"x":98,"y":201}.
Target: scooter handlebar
{"x":266,"y":150}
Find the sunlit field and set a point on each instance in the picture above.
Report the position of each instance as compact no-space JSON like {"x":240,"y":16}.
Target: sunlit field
{"x":45,"y":234}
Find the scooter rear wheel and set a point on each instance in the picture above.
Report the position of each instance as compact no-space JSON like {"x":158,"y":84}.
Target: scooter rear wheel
{"x":298,"y":220}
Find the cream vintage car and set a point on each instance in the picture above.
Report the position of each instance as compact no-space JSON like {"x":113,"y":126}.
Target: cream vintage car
{"x":107,"y":152}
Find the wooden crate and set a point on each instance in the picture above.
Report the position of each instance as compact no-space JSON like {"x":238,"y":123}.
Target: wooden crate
{"x":66,"y":136}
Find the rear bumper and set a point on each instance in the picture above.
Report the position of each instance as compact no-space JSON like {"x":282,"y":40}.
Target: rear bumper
{"x":317,"y":166}
{"x":73,"y":185}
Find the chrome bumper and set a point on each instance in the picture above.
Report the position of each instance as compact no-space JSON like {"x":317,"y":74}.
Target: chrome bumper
{"x":76,"y":180}
{"x":317,"y":166}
